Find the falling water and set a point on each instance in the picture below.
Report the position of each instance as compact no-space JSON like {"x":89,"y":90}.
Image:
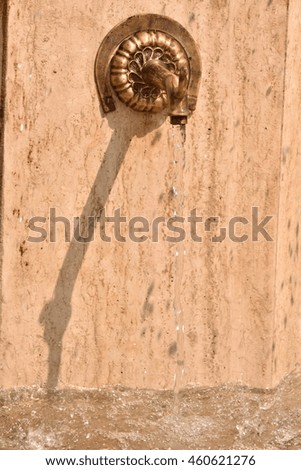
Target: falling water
{"x":177,"y":206}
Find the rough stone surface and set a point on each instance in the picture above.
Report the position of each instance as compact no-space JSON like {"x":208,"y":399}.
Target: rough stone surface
{"x":102,"y":313}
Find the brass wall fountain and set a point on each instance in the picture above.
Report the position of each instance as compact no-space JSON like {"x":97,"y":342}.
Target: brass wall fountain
{"x":152,"y":64}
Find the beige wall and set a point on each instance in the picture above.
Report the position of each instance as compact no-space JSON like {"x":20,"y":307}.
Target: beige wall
{"x":105,"y":310}
{"x":3,"y":61}
{"x":288,"y":283}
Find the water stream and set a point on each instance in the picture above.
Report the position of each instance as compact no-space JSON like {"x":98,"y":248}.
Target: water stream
{"x":177,"y":142}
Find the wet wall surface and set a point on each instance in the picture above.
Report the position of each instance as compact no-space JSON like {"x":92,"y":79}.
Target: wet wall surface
{"x":225,"y":417}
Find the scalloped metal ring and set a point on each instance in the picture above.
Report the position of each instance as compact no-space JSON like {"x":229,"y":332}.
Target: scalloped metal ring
{"x":127,"y":64}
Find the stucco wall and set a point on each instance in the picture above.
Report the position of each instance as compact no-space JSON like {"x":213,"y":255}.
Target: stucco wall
{"x":102,"y":313}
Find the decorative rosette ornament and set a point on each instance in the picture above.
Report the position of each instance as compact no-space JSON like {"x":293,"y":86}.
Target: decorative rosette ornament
{"x":129,"y":67}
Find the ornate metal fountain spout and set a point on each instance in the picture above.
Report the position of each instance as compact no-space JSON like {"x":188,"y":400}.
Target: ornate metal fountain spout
{"x":156,"y":74}
{"x":152,"y":63}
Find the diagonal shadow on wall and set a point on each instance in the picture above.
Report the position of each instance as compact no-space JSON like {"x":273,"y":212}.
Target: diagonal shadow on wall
{"x":56,"y":314}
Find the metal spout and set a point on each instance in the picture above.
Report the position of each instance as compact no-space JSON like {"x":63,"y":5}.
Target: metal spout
{"x":150,"y":63}
{"x":156,"y":74}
